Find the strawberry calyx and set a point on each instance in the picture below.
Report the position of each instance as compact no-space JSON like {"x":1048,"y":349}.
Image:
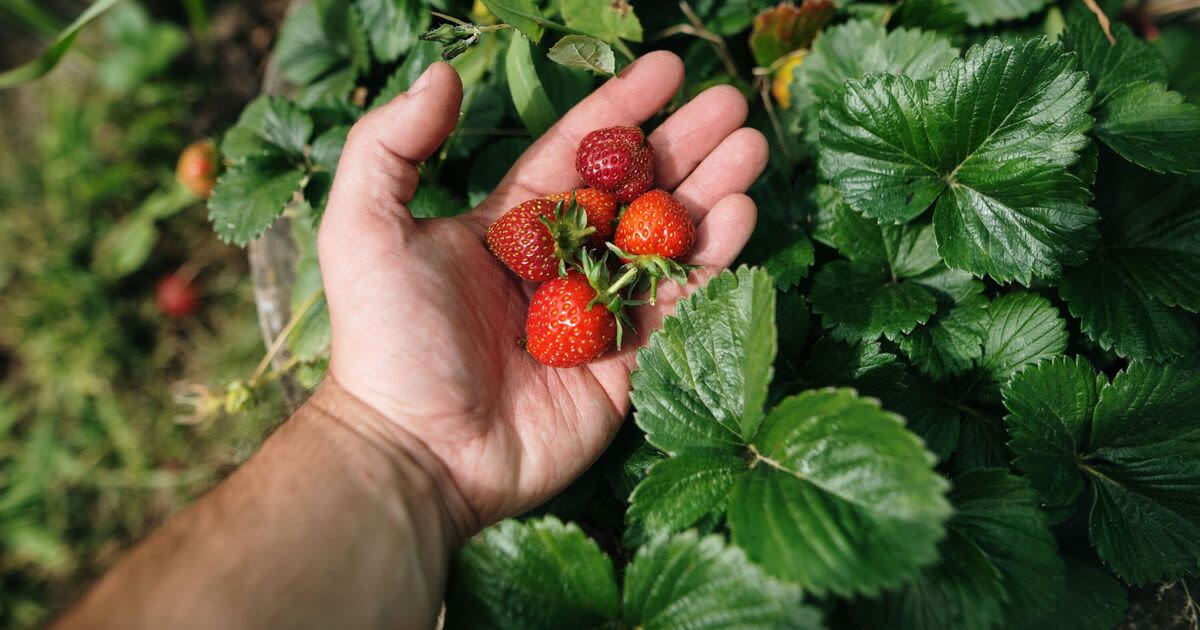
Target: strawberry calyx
{"x":569,"y":230}
{"x":608,"y":293}
{"x":644,"y":271}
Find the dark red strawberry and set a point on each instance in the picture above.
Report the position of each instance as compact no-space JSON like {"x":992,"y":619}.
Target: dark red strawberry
{"x":175,"y":296}
{"x":656,"y":224}
{"x":601,"y":210}
{"x":566,"y":327}
{"x":197,"y":168}
{"x":538,"y":238}
{"x":617,"y":160}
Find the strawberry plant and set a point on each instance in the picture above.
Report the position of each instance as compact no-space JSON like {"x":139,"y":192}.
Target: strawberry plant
{"x":954,"y":384}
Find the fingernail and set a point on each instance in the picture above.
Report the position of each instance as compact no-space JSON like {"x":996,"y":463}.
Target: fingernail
{"x":421,"y":83}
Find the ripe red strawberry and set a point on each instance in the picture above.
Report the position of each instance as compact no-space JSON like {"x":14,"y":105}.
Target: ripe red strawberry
{"x":617,"y":160}
{"x":564,"y":327}
{"x":601,"y":210}
{"x":656,"y":224}
{"x":175,"y":296}
{"x":197,"y":168}
{"x":537,"y":239}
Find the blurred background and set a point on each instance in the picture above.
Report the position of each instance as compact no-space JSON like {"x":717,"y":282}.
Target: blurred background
{"x":117,"y":302}
{"x":128,"y":329}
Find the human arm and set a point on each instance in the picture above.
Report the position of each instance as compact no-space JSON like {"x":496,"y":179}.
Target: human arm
{"x":341,"y":520}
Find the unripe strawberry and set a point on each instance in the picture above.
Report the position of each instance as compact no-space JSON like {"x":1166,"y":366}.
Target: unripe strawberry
{"x":197,"y":168}
{"x":656,"y":224}
{"x":564,"y":327}
{"x":601,"y":209}
{"x":617,"y":160}
{"x":175,"y":296}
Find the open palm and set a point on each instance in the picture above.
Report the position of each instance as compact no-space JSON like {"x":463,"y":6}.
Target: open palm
{"x":426,"y":322}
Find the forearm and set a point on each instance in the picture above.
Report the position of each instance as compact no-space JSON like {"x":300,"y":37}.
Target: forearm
{"x":340,"y":520}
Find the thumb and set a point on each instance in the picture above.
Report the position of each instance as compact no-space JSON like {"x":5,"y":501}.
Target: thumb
{"x":377,"y":173}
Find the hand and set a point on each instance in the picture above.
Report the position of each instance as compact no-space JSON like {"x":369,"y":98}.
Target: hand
{"x":426,"y":321}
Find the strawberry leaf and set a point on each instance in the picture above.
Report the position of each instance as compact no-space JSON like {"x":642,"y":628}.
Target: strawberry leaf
{"x":541,"y":574}
{"x":984,"y":12}
{"x":1136,"y":447}
{"x":856,"y":49}
{"x":826,"y":463}
{"x":1136,"y":114}
{"x":679,"y":491}
{"x":392,"y":26}
{"x":952,"y":341}
{"x":544,"y":574}
{"x":872,"y":295}
{"x":1006,"y":204}
{"x":584,"y":53}
{"x":860,"y":302}
{"x":250,"y":196}
{"x":1023,"y":328}
{"x":269,"y":126}
{"x":1152,"y":127}
{"x":702,"y":584}
{"x":1134,"y":294}
{"x":1050,"y":409}
{"x":999,"y":563}
{"x":314,"y":53}
{"x":702,"y":381}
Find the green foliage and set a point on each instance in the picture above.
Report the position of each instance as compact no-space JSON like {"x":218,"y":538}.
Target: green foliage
{"x":1006,"y":205}
{"x":1135,"y":113}
{"x":1136,"y":292}
{"x":1131,"y":442}
{"x":543,"y":574}
{"x":984,"y":12}
{"x":822,"y":465}
{"x":999,"y":564}
{"x":584,"y":53}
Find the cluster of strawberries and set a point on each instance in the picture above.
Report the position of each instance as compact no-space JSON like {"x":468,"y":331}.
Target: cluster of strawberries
{"x":578,"y":313}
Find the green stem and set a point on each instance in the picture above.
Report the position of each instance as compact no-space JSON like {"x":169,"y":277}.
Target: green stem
{"x":281,"y":338}
{"x":625,"y":279}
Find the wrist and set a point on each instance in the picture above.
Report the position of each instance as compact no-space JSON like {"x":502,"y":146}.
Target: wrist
{"x":395,"y":461}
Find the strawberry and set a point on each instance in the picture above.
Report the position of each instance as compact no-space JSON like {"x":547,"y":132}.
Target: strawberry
{"x":565,"y":328}
{"x":654,"y":232}
{"x":197,"y":168}
{"x":601,"y":210}
{"x":537,"y":238}
{"x":175,"y":296}
{"x":656,"y":224}
{"x":617,"y":160}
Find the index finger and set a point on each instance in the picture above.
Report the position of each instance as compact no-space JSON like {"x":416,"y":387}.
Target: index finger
{"x":628,"y":99}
